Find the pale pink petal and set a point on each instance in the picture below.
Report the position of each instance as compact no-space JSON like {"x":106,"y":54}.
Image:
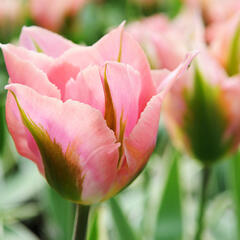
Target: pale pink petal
{"x":125,"y":87}
{"x":217,"y":11}
{"x":87,"y":88}
{"x":50,"y":43}
{"x":82,"y":56}
{"x":210,"y":68}
{"x":164,"y":84}
{"x":24,"y":142}
{"x":158,"y":76}
{"x":39,"y":60}
{"x":100,"y":171}
{"x":140,"y":144}
{"x":70,"y":124}
{"x":24,"y":72}
{"x":152,"y":34}
{"x":60,"y":73}
{"x":190,"y":29}
{"x":156,"y":23}
{"x":120,"y":45}
{"x":220,"y":35}
{"x":168,"y":56}
{"x":49,"y":14}
{"x":141,"y":141}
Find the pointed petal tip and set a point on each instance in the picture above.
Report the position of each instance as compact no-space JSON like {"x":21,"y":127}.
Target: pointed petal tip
{"x":123,"y":23}
{"x":7,"y":87}
{"x":11,"y":87}
{"x":169,"y":80}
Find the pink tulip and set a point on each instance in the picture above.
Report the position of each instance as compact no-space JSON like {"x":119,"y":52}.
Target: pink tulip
{"x":202,"y":112}
{"x":215,"y":10}
{"x":51,"y":14}
{"x":165,"y":42}
{"x":224,"y":38}
{"x":86,"y":116}
{"x":11,"y":12}
{"x":156,"y":38}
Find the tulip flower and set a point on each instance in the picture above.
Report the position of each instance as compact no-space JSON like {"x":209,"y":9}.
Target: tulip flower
{"x":224,"y":38}
{"x":9,"y":10}
{"x":202,"y":115}
{"x":44,"y":12}
{"x":156,"y":38}
{"x":215,"y":10}
{"x":165,"y":42}
{"x":86,"y":116}
{"x":11,"y":18}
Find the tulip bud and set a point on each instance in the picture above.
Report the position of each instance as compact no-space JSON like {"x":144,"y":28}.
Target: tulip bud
{"x":200,"y":115}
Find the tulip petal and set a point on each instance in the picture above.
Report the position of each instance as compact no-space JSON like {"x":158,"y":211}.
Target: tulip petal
{"x":50,"y":43}
{"x":125,"y":86}
{"x":72,"y":129}
{"x":60,"y":73}
{"x":158,"y":76}
{"x":82,"y":56}
{"x":39,"y":60}
{"x":164,"y":84}
{"x":87,"y":88}
{"x":24,"y":72}
{"x":141,"y":141}
{"x":126,"y":49}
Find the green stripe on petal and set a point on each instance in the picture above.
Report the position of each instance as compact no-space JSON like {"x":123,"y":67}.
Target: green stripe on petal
{"x":120,"y":47}
{"x":38,"y":49}
{"x":233,"y":64}
{"x":62,"y":171}
{"x":120,"y":139}
{"x":110,"y":115}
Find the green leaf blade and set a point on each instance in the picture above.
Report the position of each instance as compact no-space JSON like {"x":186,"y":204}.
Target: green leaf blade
{"x":169,"y":224}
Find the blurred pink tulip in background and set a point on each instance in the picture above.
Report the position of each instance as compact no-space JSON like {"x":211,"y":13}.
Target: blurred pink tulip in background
{"x":52,"y":14}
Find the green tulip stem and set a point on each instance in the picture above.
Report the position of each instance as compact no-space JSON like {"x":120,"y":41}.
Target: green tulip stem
{"x":206,"y":172}
{"x":81,"y":222}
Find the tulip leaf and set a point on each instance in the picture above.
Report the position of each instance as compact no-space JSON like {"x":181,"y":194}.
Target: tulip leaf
{"x":18,"y":231}
{"x":121,"y":222}
{"x":235,"y":169}
{"x":3,"y":82}
{"x":169,"y":223}
{"x":61,"y":212}
{"x":233,"y":64}
{"x":97,"y":229}
{"x":23,"y":185}
{"x":93,"y":228}
{"x":171,"y":7}
{"x":2,"y":125}
{"x":205,"y":121}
